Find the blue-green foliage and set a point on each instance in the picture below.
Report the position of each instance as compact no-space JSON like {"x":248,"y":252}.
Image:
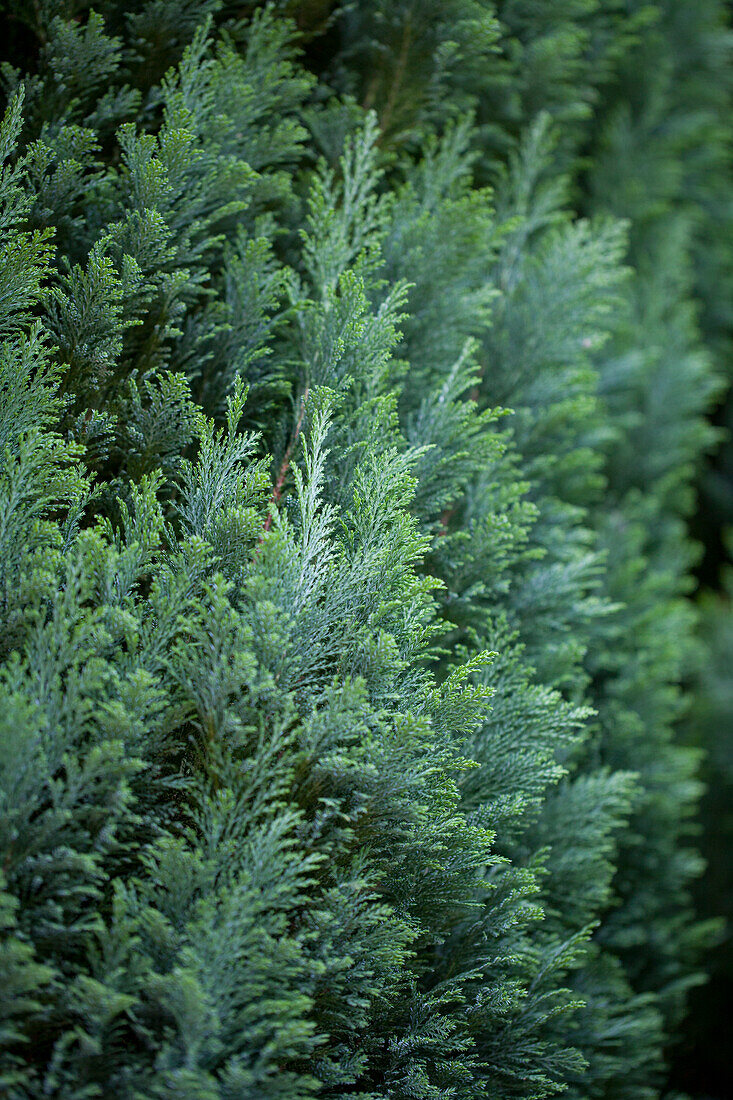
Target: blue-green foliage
{"x":342,"y":558}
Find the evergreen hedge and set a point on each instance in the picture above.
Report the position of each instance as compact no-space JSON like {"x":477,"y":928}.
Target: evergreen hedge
{"x":353,"y":391}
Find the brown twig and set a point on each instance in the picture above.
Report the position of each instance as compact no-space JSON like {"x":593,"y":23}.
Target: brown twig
{"x":444,"y":521}
{"x":285,"y":465}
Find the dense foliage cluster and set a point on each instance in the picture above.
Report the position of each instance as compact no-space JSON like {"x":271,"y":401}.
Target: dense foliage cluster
{"x":352,"y":393}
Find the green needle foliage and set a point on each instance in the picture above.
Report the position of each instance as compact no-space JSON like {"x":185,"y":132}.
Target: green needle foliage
{"x":351,"y":396}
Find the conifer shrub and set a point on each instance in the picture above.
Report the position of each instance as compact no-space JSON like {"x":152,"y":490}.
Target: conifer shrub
{"x":701,"y":1063}
{"x":352,"y":392}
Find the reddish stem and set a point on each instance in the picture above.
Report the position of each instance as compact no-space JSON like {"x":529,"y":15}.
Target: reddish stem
{"x":285,"y":466}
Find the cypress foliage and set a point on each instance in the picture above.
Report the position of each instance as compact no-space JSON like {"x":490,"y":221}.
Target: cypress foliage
{"x":701,"y":1063}
{"x":344,"y":559}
